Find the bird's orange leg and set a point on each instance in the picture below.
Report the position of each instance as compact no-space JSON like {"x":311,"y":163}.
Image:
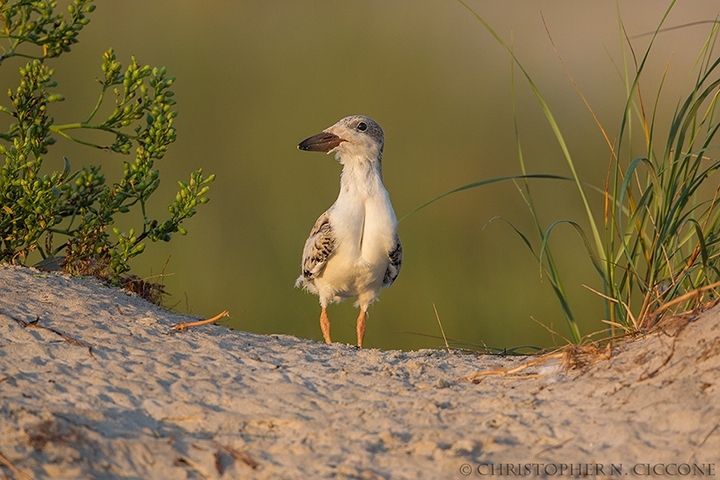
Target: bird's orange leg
{"x":361,"y":327}
{"x":325,"y":324}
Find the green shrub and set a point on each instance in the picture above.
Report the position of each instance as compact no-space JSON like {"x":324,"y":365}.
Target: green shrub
{"x":68,"y":216}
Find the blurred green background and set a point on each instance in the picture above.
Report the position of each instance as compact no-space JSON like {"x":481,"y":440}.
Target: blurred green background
{"x":255,"y":78}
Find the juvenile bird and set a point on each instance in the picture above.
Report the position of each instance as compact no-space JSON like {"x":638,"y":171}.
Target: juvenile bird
{"x":353,"y":250}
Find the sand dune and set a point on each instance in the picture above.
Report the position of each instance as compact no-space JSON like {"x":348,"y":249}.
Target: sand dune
{"x":94,"y":383}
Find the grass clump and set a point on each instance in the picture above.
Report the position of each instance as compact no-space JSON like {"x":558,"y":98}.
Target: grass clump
{"x":662,"y":227}
{"x":68,"y":216}
{"x":656,"y":246}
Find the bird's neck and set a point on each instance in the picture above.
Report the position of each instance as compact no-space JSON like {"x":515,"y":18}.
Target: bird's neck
{"x":361,"y":178}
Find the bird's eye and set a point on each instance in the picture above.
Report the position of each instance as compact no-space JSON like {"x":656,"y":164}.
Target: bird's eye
{"x":362,"y":126}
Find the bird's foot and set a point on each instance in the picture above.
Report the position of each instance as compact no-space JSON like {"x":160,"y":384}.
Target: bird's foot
{"x":325,"y":325}
{"x":361,"y":328}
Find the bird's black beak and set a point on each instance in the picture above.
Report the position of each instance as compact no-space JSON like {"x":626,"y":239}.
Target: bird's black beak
{"x":322,"y":142}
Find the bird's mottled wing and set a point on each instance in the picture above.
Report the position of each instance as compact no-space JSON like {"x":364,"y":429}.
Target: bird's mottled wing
{"x":393,"y":269}
{"x":319,"y":246}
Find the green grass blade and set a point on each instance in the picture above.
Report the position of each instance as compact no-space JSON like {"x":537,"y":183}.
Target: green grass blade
{"x":485,"y":182}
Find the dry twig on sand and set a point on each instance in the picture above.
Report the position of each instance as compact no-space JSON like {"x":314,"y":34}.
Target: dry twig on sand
{"x":35,"y":324}
{"x":19,"y":474}
{"x":183,"y":325}
{"x":242,"y":457}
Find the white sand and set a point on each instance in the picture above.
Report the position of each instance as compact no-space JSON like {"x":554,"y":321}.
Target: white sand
{"x":128,"y":397}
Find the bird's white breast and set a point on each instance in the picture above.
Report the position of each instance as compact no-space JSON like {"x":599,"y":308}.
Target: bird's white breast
{"x":364,"y":225}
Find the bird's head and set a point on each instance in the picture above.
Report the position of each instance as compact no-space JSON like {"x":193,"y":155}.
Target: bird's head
{"x":355,"y":138}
